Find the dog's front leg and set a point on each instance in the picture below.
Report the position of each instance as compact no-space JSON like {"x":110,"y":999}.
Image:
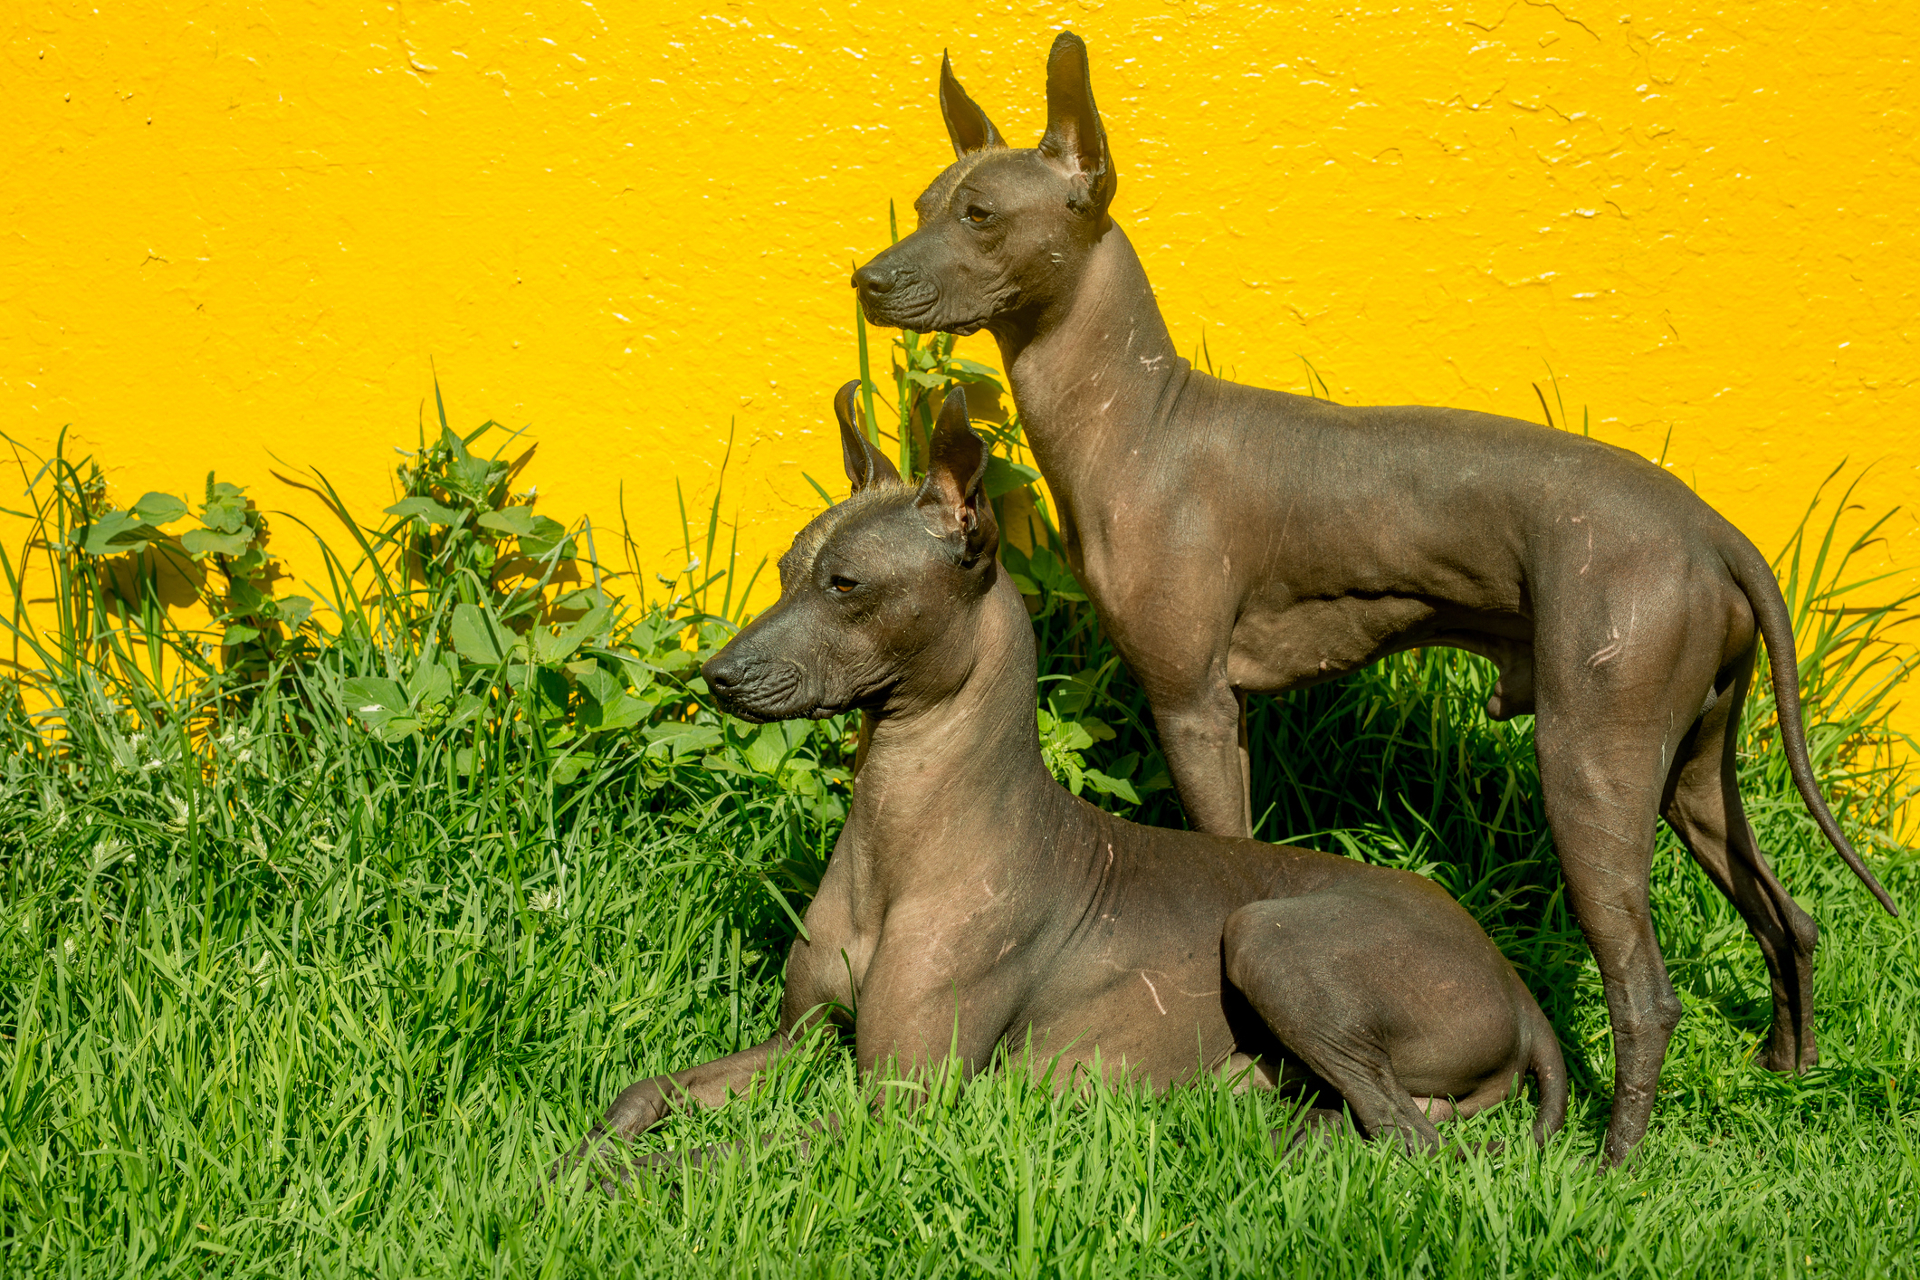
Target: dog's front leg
{"x":1203,"y":735}
{"x":645,"y":1103}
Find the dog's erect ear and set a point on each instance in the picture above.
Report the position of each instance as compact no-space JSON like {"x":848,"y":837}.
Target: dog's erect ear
{"x":955,"y":490}
{"x":865,"y":464}
{"x":967,"y":124}
{"x":1075,"y":142}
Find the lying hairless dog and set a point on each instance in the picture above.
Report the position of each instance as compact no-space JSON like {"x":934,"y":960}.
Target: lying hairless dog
{"x":1238,"y":540}
{"x":971,"y":901}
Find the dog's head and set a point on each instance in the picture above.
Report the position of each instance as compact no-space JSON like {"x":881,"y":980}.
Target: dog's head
{"x":1002,"y":232}
{"x":876,"y":593}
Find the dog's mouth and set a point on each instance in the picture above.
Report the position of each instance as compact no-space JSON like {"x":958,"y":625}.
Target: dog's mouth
{"x":916,"y":307}
{"x":926,"y":323}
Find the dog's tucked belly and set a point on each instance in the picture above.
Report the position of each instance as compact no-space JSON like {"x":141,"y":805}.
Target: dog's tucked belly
{"x":1308,"y":641}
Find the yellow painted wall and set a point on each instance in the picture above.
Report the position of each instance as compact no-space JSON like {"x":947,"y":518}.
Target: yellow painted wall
{"x":232,"y":233}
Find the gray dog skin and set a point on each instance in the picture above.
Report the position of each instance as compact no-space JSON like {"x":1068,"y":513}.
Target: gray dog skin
{"x":1237,"y":540}
{"x":972,"y":902}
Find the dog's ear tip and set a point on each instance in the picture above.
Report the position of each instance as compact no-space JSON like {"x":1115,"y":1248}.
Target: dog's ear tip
{"x":843,"y":402}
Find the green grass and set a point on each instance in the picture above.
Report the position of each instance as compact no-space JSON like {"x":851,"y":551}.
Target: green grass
{"x":284,"y":994}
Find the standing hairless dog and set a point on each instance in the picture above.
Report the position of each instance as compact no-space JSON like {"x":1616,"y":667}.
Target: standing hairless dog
{"x":1238,"y":540}
{"x":971,"y":901}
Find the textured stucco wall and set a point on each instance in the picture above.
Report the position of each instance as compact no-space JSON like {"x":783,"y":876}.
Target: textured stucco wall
{"x":236,"y":232}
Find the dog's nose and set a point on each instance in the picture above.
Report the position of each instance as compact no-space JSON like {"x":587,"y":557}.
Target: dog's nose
{"x":870,"y":280}
{"x":724,"y":674}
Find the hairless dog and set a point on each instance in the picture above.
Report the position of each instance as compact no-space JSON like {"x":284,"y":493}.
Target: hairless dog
{"x":1238,"y":540}
{"x":972,"y":902}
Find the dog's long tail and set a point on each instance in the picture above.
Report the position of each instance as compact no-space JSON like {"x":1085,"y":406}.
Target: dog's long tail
{"x":1755,"y":576}
{"x":1550,"y":1075}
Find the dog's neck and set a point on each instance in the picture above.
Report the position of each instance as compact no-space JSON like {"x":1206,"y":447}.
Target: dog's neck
{"x":1095,"y":359}
{"x":947,"y":785}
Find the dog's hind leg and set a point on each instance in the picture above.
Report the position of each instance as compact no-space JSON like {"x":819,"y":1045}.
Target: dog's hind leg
{"x":1703,"y":808}
{"x":1293,"y":963}
{"x":1619,"y":683}
{"x":1603,"y":833}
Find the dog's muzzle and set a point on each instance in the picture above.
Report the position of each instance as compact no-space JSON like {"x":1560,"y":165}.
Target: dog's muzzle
{"x":756,"y":690}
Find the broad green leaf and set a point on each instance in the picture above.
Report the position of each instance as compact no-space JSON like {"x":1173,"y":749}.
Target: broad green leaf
{"x":681,"y":739}
{"x":619,"y":712}
{"x":639,"y":672}
{"x":569,"y":767}
{"x":767,"y":750}
{"x":371,"y":695}
{"x":238,"y":633}
{"x":426,"y":509}
{"x":965,"y":370}
{"x":467,"y":706}
{"x":1003,"y":476}
{"x":430,"y":684}
{"x":518,"y":522}
{"x":471,"y":475}
{"x":543,"y":548}
{"x":118,"y":531}
{"x":1112,"y":786}
{"x":582,"y":598}
{"x":294,"y":610}
{"x":597,"y":683}
{"x":208,"y":542}
{"x":159,"y":508}
{"x":478,"y":636}
{"x":674,"y":661}
{"x":379,"y":704}
{"x":551,"y":648}
{"x":553,"y":691}
{"x":1063,"y":735}
{"x":226,"y":508}
{"x":247,"y":598}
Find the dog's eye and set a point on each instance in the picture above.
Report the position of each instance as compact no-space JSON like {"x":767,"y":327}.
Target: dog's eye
{"x":841,"y":585}
{"x":976,"y":215}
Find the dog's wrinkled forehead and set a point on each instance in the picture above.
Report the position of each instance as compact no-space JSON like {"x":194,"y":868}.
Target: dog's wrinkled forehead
{"x":862,"y":519}
{"x":997,"y":163}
